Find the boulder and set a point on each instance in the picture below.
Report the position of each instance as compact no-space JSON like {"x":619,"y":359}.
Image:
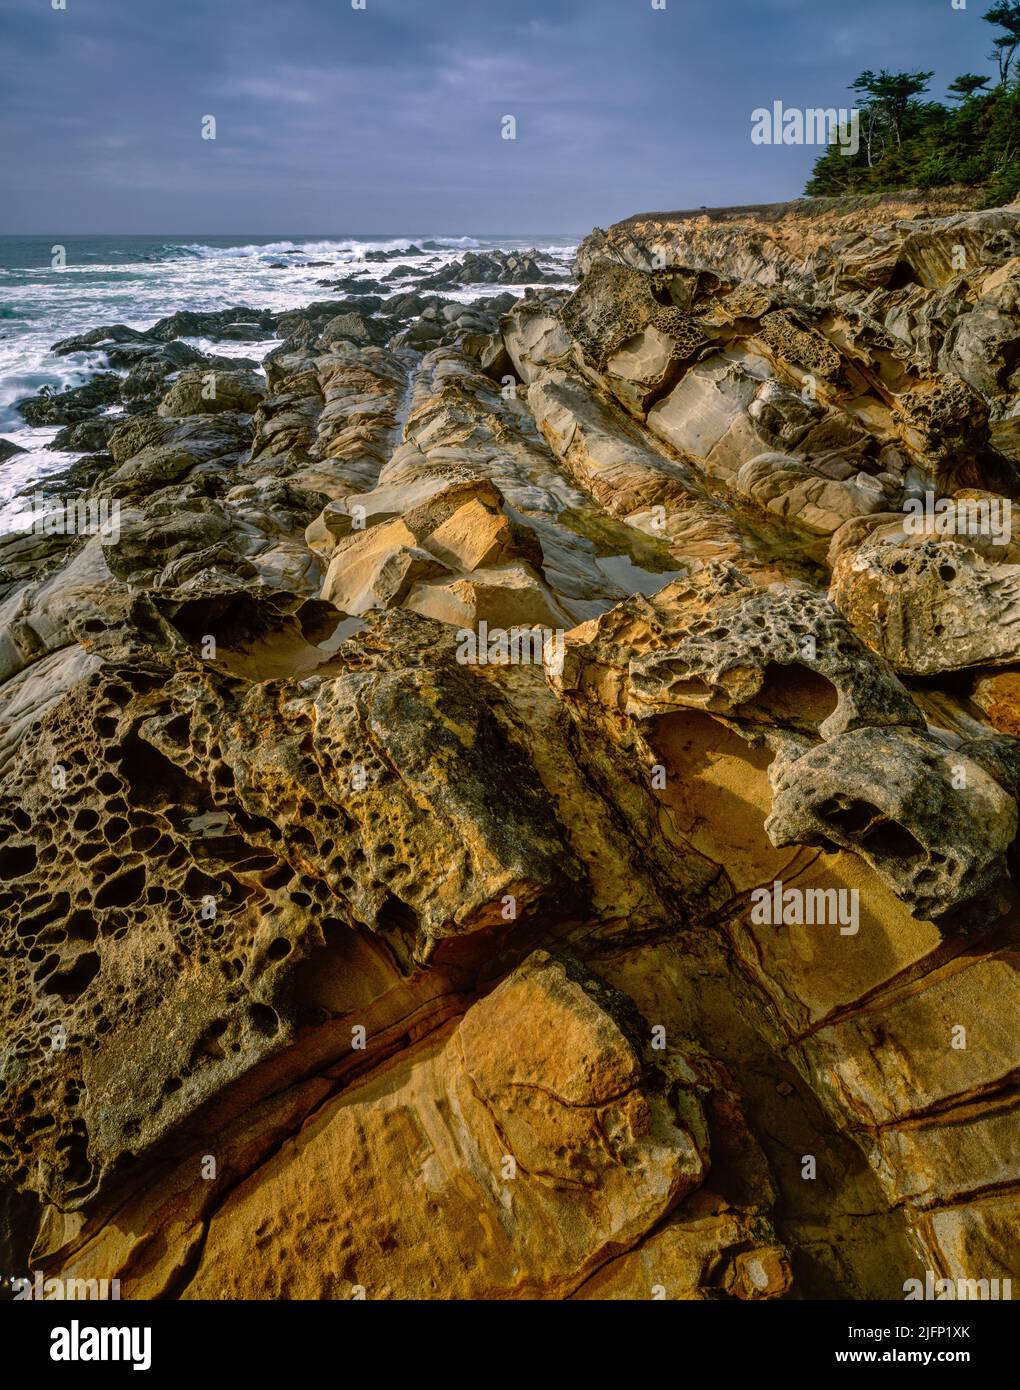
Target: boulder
{"x":931,"y":607}
{"x":377,"y":568}
{"x":8,"y":449}
{"x":73,"y":404}
{"x":239,"y":323}
{"x":88,"y":436}
{"x":503,"y":596}
{"x":208,"y":393}
{"x":98,"y":339}
{"x":927,"y":818}
{"x":534,"y":339}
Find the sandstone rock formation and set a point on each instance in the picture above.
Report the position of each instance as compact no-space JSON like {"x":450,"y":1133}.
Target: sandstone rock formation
{"x":516,"y":808}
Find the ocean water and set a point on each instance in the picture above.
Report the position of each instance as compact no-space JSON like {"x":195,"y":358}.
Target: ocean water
{"x":137,"y":280}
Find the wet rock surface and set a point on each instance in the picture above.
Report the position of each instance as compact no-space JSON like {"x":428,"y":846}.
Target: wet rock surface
{"x":510,"y":782}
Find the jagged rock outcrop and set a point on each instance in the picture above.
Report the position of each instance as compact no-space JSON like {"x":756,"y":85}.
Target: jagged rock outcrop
{"x":937,"y":606}
{"x":517,"y":805}
{"x":493,"y":267}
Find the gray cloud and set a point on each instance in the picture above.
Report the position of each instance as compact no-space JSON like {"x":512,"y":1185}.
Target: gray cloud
{"x":387,"y":120}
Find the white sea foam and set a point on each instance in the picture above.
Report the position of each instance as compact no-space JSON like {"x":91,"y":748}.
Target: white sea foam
{"x":460,"y":243}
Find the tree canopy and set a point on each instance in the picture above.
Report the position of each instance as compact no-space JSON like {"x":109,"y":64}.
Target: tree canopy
{"x":907,"y":142}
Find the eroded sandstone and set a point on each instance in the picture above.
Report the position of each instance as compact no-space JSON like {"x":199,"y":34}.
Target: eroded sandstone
{"x":400,"y":812}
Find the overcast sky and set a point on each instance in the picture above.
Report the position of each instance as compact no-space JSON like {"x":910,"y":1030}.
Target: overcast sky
{"x":387,"y":120}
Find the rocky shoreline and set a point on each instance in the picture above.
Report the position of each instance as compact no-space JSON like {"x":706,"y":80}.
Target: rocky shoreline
{"x":335,"y":960}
